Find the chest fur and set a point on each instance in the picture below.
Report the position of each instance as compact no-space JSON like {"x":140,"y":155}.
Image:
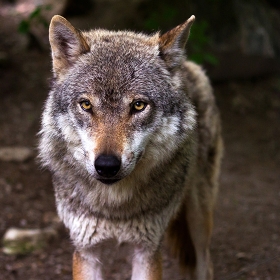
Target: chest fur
{"x":89,"y":230}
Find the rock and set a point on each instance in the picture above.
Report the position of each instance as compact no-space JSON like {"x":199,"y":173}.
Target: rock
{"x":23,"y":241}
{"x":243,"y":36}
{"x":18,"y":154}
{"x":242,"y":256}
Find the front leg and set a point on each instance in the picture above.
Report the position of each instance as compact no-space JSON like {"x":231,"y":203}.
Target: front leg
{"x":87,"y":265}
{"x":146,"y":265}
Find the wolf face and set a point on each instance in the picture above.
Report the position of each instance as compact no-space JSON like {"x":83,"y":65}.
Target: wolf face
{"x":117,"y":101}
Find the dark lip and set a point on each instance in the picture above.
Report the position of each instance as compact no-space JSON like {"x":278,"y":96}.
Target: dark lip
{"x":139,"y":156}
{"x":108,"y":181}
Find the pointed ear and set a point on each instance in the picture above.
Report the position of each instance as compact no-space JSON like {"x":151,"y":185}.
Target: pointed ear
{"x":173,"y":42}
{"x":67,"y":44}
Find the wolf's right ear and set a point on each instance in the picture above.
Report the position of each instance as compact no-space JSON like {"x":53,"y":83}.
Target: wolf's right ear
{"x":173,"y":42}
{"x":67,"y":43}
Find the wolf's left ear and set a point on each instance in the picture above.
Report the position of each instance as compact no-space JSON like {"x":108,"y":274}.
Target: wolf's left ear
{"x":67,"y":44}
{"x":173,"y":42}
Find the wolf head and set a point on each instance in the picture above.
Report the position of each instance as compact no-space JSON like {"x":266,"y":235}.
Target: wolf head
{"x":117,"y":100}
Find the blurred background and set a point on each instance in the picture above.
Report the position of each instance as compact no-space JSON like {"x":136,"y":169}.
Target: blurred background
{"x":238,"y":44}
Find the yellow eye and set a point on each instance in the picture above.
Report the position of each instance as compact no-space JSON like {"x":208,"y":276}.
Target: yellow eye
{"x":139,"y":106}
{"x":86,"y":105}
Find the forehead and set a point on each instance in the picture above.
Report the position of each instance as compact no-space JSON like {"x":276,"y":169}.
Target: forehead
{"x":122,"y":46}
{"x":122,"y":52}
{"x":122,"y":41}
{"x":119,"y":62}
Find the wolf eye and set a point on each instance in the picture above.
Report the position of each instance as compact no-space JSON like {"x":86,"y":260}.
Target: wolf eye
{"x":86,"y":105}
{"x":139,"y":106}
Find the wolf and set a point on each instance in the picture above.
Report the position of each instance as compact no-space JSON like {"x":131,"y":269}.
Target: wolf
{"x":132,"y":136}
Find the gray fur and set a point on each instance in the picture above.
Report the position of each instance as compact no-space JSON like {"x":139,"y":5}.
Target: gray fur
{"x":172,"y":149}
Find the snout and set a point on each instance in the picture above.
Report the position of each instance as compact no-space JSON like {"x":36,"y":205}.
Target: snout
{"x":107,"y":167}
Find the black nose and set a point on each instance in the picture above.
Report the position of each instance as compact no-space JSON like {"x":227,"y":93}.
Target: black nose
{"x":107,"y":165}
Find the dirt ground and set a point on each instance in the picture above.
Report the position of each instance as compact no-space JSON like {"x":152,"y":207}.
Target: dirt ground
{"x":246,"y":238}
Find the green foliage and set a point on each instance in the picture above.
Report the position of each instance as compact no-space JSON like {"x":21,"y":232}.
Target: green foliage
{"x":165,"y":13}
{"x":199,"y":44}
{"x":34,"y":17}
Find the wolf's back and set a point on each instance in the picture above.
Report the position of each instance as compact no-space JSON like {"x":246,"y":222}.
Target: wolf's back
{"x":210,"y":144}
